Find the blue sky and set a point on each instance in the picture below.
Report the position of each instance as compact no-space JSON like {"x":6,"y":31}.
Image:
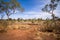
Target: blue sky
{"x":32,"y":9}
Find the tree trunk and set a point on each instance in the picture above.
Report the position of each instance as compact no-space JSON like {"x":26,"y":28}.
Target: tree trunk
{"x":53,"y":16}
{"x":8,"y":17}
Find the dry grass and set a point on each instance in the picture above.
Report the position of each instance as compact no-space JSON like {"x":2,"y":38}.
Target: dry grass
{"x":27,"y":31}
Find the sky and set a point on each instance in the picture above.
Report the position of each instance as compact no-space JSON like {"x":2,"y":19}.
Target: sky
{"x":32,"y":9}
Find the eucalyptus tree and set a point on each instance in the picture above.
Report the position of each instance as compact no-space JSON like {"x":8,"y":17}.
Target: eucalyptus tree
{"x":51,"y":7}
{"x":9,"y":7}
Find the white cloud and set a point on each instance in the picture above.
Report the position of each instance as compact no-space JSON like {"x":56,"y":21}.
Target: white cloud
{"x":32,"y":14}
{"x":36,"y":12}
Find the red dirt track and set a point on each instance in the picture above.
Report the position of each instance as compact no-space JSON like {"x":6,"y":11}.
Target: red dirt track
{"x":17,"y":35}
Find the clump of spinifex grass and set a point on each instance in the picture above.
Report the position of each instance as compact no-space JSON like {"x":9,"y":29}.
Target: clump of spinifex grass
{"x":50,"y":26}
{"x":3,"y":26}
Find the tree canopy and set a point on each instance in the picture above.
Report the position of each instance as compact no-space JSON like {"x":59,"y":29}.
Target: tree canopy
{"x":8,"y":6}
{"x":51,"y":7}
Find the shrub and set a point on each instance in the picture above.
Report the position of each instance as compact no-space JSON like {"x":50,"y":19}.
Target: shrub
{"x":3,"y":26}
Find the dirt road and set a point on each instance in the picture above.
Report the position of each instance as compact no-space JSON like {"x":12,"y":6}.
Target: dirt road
{"x":17,"y":35}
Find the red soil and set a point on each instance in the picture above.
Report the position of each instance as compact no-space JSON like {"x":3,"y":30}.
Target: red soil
{"x":17,"y":35}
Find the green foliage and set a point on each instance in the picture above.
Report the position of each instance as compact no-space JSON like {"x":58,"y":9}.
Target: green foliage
{"x":51,"y":7}
{"x":18,"y":19}
{"x":7,"y":6}
{"x":10,"y":19}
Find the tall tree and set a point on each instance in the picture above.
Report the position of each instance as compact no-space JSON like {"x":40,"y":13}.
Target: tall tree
{"x":51,"y":7}
{"x":8,"y":6}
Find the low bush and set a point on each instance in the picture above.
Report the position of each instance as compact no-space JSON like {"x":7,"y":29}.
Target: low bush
{"x":3,"y":26}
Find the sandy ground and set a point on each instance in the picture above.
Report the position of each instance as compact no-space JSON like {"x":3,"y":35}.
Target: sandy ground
{"x":29,"y":34}
{"x":24,"y":35}
{"x":17,"y":35}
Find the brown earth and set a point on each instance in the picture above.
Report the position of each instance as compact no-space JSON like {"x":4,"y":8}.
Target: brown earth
{"x":26,"y":34}
{"x":16,"y":35}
